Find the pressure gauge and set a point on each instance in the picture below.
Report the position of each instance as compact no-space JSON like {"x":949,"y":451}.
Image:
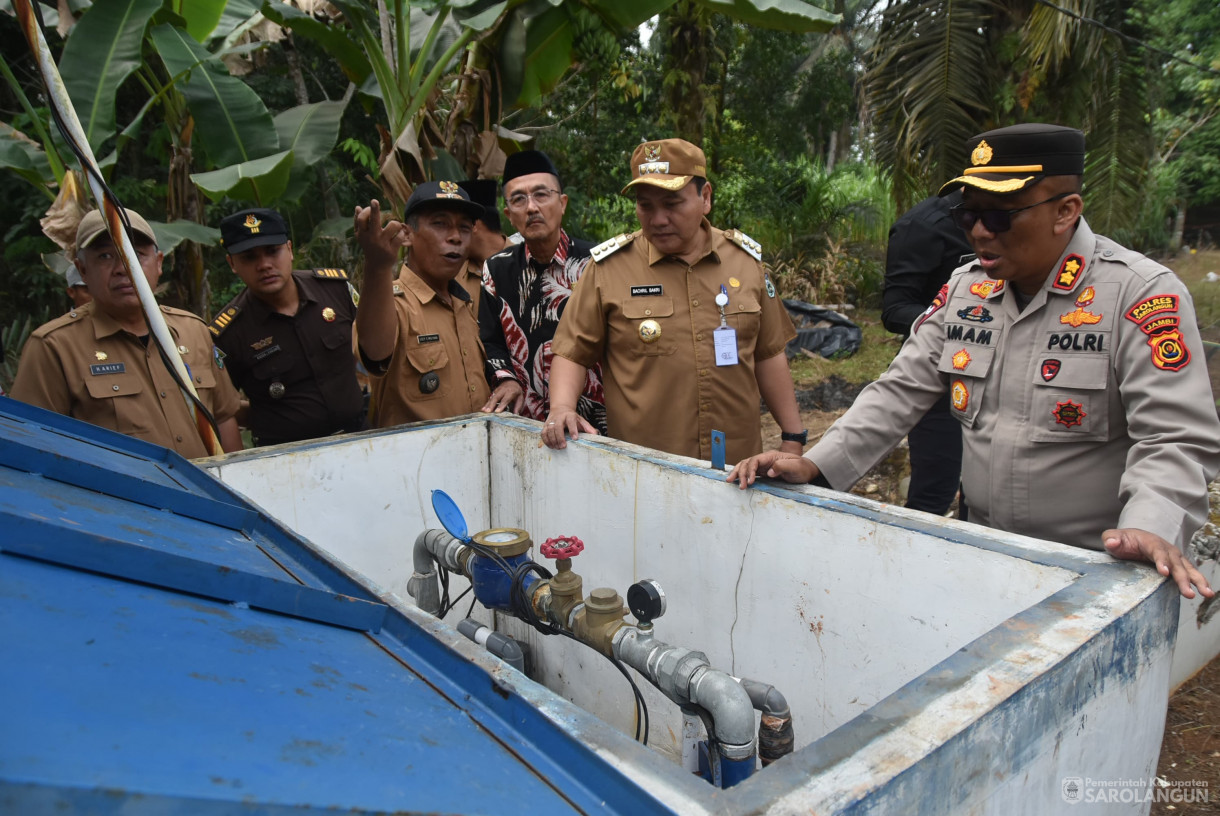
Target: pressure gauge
{"x":500,"y":537}
{"x":646,"y":600}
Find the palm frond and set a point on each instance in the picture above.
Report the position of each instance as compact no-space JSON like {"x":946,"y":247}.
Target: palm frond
{"x":928,"y":90}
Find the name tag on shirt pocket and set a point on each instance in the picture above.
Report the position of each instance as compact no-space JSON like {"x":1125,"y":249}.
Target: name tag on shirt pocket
{"x":1070,"y":402}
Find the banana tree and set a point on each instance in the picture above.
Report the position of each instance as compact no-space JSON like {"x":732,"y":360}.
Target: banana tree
{"x":215,"y":123}
{"x":445,"y":71}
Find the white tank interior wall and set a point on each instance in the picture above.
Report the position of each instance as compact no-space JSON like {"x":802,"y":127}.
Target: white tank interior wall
{"x":1198,"y":627}
{"x":849,"y":608}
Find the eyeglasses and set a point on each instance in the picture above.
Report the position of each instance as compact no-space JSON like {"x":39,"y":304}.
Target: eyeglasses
{"x":993,"y":220}
{"x":519,"y":201}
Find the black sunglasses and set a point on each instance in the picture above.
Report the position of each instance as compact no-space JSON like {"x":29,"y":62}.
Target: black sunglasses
{"x":993,"y":220}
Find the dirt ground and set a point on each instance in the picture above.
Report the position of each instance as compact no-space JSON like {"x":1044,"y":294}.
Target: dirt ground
{"x":1190,"y":749}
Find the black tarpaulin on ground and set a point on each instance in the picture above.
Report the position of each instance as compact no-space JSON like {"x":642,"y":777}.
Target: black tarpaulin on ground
{"x":821,"y":331}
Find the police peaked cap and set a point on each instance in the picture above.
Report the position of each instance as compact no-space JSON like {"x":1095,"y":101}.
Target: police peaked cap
{"x":1010,"y":159}
{"x":247,"y":229}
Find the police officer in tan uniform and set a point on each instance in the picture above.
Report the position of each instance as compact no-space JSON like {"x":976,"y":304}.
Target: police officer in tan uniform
{"x":98,"y":364}
{"x":684,"y":319}
{"x":1074,"y":366}
{"x":287,"y":337}
{"x":418,"y":335}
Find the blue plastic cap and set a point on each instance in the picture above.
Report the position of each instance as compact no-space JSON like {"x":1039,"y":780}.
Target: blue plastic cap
{"x":451,"y":517}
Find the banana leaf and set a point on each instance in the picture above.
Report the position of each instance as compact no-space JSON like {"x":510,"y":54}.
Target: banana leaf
{"x":782,"y":15}
{"x":201,"y":16}
{"x":23,"y":155}
{"x":310,"y":131}
{"x":232,"y":123}
{"x":260,"y":180}
{"x":101,"y":52}
{"x":337,"y":43}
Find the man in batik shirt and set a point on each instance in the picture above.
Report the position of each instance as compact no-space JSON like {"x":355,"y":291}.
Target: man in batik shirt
{"x":527,"y":287}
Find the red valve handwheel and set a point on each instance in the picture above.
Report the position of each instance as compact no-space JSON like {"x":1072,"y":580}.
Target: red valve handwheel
{"x":571,"y":547}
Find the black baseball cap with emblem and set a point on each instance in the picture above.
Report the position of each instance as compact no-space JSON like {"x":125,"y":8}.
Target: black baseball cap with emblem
{"x":247,"y":229}
{"x":442,"y":195}
{"x":1010,"y":159}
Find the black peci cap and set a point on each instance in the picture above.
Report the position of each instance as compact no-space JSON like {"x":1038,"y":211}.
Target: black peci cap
{"x":1010,"y":159}
{"x":441,"y":195}
{"x":483,"y":193}
{"x":527,"y":162}
{"x":252,"y":228}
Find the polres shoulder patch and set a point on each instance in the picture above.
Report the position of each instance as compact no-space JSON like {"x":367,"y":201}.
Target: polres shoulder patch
{"x":607,"y":248}
{"x":752,"y":247}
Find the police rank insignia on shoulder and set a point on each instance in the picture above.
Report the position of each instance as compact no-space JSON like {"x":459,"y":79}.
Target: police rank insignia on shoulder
{"x":332,"y":274}
{"x":607,"y":248}
{"x":1065,"y":278}
{"x":223,"y":320}
{"x":752,"y":247}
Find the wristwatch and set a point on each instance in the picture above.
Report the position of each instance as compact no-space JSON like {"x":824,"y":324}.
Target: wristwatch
{"x":801,"y":437}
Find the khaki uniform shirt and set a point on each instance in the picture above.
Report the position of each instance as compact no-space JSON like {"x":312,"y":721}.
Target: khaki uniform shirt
{"x":1090,"y":409}
{"x":436,"y":343}
{"x":85,"y":366}
{"x":471,"y":279}
{"x":649,"y":319}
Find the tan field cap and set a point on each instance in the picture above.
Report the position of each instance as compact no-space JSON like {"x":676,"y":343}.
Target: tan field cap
{"x":668,"y":163}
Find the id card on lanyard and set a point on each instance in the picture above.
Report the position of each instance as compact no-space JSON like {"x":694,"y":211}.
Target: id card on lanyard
{"x":725,"y":336}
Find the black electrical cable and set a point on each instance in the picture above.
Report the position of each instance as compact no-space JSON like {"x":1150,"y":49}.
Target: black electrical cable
{"x":110,"y":196}
{"x":525,"y":609}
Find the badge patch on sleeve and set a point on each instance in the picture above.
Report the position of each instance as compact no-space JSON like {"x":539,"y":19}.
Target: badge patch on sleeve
{"x":1065,"y":278}
{"x":960,"y":395}
{"x":1169,"y":353}
{"x":986,"y":288}
{"x":1069,"y":413}
{"x":937,"y":303}
{"x":1160,"y":324}
{"x":1152,"y":306}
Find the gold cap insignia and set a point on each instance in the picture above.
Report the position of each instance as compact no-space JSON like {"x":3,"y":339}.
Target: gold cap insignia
{"x":652,"y":153}
{"x":650,"y":331}
{"x":252,"y":223}
{"x":328,"y":314}
{"x":448,"y":187}
{"x":981,"y":154}
{"x":100,"y":355}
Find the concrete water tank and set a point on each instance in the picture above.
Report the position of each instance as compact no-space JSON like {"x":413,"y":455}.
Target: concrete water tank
{"x":932,"y":666}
